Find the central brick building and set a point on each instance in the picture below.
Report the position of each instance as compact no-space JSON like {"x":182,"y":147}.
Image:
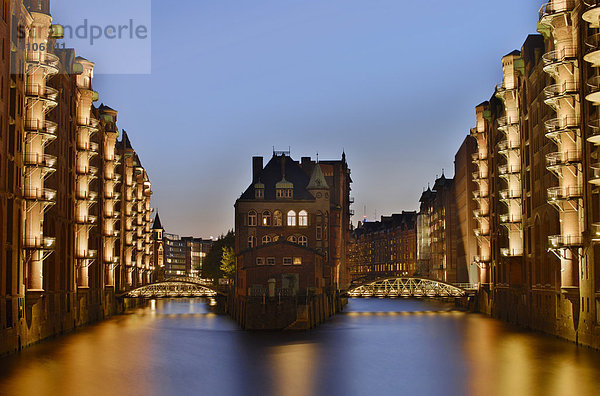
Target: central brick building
{"x":292,"y":225}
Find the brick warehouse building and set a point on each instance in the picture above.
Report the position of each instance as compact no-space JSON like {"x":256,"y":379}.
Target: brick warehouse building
{"x":292,"y":225}
{"x":386,"y":248}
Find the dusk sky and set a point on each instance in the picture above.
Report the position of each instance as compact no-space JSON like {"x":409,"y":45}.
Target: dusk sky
{"x":394,"y":83}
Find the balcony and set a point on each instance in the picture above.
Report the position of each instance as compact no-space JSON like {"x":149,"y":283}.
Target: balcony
{"x":40,"y":194}
{"x":555,"y":92}
{"x":505,"y":122}
{"x":478,"y":195}
{"x":43,"y":93}
{"x":482,"y":259}
{"x":508,"y":170}
{"x":46,"y":161}
{"x":555,"y":8}
{"x":554,"y":59}
{"x":46,"y":129}
{"x":507,"y":252}
{"x":564,"y":241}
{"x":505,"y":195}
{"x":562,"y":158}
{"x":595,"y":174}
{"x":592,"y":14}
{"x":87,"y":254}
{"x":479,"y":176}
{"x":510,"y":219}
{"x":595,"y":232}
{"x":478,"y":214}
{"x":481,"y":233}
{"x":44,"y":59}
{"x":556,"y":194}
{"x":506,"y":146}
{"x":86,"y":219}
{"x":502,"y":91}
{"x":594,"y":135}
{"x":40,"y":243}
{"x":594,"y":90}
{"x":557,"y":126}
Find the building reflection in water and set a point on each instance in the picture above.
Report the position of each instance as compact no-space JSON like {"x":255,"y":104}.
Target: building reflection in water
{"x":179,"y":347}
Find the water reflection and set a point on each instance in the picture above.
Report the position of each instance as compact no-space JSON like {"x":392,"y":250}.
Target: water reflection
{"x":384,"y":347}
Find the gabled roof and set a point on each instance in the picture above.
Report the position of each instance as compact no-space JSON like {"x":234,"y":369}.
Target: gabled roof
{"x":272,"y":174}
{"x":317,"y":179}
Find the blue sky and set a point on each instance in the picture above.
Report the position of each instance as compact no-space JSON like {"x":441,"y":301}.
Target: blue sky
{"x":394,"y":83}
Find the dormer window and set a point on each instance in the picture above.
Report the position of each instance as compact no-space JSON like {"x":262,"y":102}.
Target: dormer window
{"x":259,"y":190}
{"x":285,"y":193}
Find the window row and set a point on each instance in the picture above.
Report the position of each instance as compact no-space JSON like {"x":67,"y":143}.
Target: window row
{"x":301,"y":240}
{"x":271,"y":261}
{"x":276,"y":220}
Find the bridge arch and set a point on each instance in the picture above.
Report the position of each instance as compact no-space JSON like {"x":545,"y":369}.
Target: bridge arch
{"x":174,"y":287}
{"x":406,"y":287}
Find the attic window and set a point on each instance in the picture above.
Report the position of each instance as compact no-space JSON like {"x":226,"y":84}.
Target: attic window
{"x":259,"y":192}
{"x":285,"y":193}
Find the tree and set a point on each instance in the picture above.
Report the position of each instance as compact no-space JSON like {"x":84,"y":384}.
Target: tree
{"x":211,"y":267}
{"x":228,"y":262}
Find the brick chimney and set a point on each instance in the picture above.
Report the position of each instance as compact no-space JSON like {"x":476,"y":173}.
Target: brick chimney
{"x":257,"y":167}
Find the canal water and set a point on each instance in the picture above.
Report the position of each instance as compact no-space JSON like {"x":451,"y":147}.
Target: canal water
{"x":376,"y":347}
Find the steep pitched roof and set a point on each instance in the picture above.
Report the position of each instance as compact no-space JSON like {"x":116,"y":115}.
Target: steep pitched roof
{"x":317,"y":179}
{"x":272,"y":174}
{"x":157,"y":225}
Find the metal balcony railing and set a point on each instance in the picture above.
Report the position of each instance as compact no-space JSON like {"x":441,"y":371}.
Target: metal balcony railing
{"x":562,"y":241}
{"x":48,"y":243}
{"x":560,"y":56}
{"x":554,"y":8}
{"x":40,"y":194}
{"x":592,"y":12}
{"x":564,"y":193}
{"x":509,"y":194}
{"x":505,"y":122}
{"x":43,"y":127}
{"x":42,"y":92}
{"x":43,"y":58}
{"x":594,"y":89}
{"x":560,"y":125}
{"x":41,"y":160}
{"x":504,"y":170}
{"x":507,"y":252}
{"x":555,"y":92}
{"x":595,"y":175}
{"x":562,"y":158}
{"x":505,"y":146}
{"x":509,"y":219}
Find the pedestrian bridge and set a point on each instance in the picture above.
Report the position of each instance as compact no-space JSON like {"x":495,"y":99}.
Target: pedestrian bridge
{"x":175,"y":287}
{"x":410,"y":287}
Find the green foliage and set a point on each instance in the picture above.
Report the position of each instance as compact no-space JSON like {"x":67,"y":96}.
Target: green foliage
{"x":211,"y":267}
{"x":228,"y":262}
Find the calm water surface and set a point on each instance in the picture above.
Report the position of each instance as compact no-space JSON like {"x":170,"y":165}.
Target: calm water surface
{"x":377,"y":347}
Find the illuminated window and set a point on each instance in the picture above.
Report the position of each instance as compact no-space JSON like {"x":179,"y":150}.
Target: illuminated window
{"x":266,"y":218}
{"x":302,"y":240}
{"x":277,"y":218}
{"x":266,"y":239}
{"x":291,"y":218}
{"x":297,"y":260}
{"x":292,"y":239}
{"x":303,"y":218}
{"x":251,"y":241}
{"x":252,"y":218}
{"x":260,"y":261}
{"x":259,"y":193}
{"x":287,"y":261}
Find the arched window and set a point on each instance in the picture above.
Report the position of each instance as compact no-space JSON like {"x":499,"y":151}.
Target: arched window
{"x":266,"y":218}
{"x":277,"y":218}
{"x":302,"y":240}
{"x":251,"y":241}
{"x":252,"y":218}
{"x":266,"y":239}
{"x":291,"y":218}
{"x":293,"y":239}
{"x":303,"y":218}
